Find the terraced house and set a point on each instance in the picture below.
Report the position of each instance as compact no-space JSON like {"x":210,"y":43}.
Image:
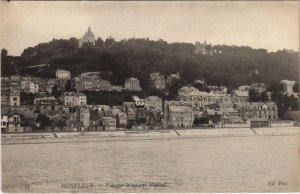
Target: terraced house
{"x":74,"y":99}
{"x":179,"y":116}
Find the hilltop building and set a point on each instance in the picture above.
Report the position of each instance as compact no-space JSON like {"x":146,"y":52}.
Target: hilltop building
{"x":87,"y":39}
{"x":63,"y":74}
{"x":205,"y":49}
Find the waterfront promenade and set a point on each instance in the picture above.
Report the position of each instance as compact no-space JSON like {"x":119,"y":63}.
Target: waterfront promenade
{"x":64,"y":137}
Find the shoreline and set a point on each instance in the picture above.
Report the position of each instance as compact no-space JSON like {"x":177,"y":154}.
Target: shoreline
{"x":107,"y":136}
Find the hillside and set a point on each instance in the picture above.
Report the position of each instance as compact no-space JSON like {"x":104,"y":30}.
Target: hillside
{"x":139,"y":57}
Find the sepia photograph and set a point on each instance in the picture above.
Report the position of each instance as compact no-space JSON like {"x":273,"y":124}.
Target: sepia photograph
{"x":150,"y":96}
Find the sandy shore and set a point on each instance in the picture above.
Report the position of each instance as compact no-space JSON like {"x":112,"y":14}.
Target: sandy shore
{"x":64,"y":137}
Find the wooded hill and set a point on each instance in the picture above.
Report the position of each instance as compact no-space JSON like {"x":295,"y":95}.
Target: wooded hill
{"x":118,"y":60}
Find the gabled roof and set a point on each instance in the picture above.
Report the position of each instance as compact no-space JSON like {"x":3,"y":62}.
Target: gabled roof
{"x":152,"y":98}
{"x":241,"y":93}
{"x":180,"y":109}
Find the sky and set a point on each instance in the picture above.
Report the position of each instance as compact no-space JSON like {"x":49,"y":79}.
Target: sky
{"x":272,"y":25}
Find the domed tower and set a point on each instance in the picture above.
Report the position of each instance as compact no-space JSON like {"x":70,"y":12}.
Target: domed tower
{"x":87,"y":39}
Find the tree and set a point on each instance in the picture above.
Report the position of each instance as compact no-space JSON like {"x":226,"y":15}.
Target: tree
{"x":294,"y":103}
{"x":4,"y":53}
{"x":26,"y":98}
{"x":296,"y":87}
{"x":254,"y":95}
{"x":55,"y":92}
{"x":73,"y":43}
{"x":68,"y":87}
{"x":42,"y":121}
{"x":264,"y":97}
{"x":109,"y":42}
{"x":99,"y":43}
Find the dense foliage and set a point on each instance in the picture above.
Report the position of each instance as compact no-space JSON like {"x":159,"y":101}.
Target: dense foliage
{"x":118,"y":60}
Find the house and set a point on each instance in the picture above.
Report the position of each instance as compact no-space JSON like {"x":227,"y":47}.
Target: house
{"x":218,"y":89}
{"x":259,"y":87}
{"x":14,"y":123}
{"x":186,"y":89}
{"x":4,"y":123}
{"x":109,"y":123}
{"x":244,"y":88}
{"x":263,"y":110}
{"x":120,"y":115}
{"x":172,"y":77}
{"x":99,"y":85}
{"x":15,"y":83}
{"x":157,"y":81}
{"x":79,"y":119}
{"x":47,"y":106}
{"x":230,"y":115}
{"x":179,"y":116}
{"x":153,"y":102}
{"x":132,"y":84}
{"x":60,"y":83}
{"x":41,"y":83}
{"x":74,"y":99}
{"x":5,"y":86}
{"x":5,"y":103}
{"x":50,"y":84}
{"x":14,"y":98}
{"x":288,"y":87}
{"x":131,"y":116}
{"x":121,"y":119}
{"x":154,"y":117}
{"x":200,"y":99}
{"x":63,"y":74}
{"x":240,"y":96}
{"x":96,"y":119}
{"x":128,"y":105}
{"x":213,"y":114}
{"x":203,"y":48}
{"x":28,"y":116}
{"x":28,"y":86}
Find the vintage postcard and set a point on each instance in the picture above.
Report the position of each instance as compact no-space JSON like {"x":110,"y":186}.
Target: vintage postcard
{"x":150,"y":96}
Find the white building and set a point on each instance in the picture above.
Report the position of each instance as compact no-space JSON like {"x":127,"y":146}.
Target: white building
{"x":14,"y":123}
{"x":288,"y":86}
{"x":63,"y":74}
{"x":87,"y":39}
{"x":14,"y":99}
{"x":74,"y":99}
{"x":132,"y":84}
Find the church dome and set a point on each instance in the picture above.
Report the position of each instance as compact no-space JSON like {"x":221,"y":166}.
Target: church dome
{"x":89,"y":34}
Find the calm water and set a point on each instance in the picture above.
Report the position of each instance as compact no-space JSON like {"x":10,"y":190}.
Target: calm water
{"x":183,"y":165}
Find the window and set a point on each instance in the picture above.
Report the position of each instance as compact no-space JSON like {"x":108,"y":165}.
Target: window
{"x":15,"y":99}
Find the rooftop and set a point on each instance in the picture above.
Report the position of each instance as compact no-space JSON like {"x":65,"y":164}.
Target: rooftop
{"x":180,"y":109}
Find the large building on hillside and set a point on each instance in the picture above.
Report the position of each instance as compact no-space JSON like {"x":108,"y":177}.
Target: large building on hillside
{"x":74,"y":99}
{"x":288,"y":86}
{"x":132,"y":84}
{"x":262,"y":110}
{"x":63,"y":74}
{"x":87,"y":39}
{"x":179,"y":116}
{"x":158,"y":81}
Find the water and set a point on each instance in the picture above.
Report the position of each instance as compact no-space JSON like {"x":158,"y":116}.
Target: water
{"x":233,"y":164}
